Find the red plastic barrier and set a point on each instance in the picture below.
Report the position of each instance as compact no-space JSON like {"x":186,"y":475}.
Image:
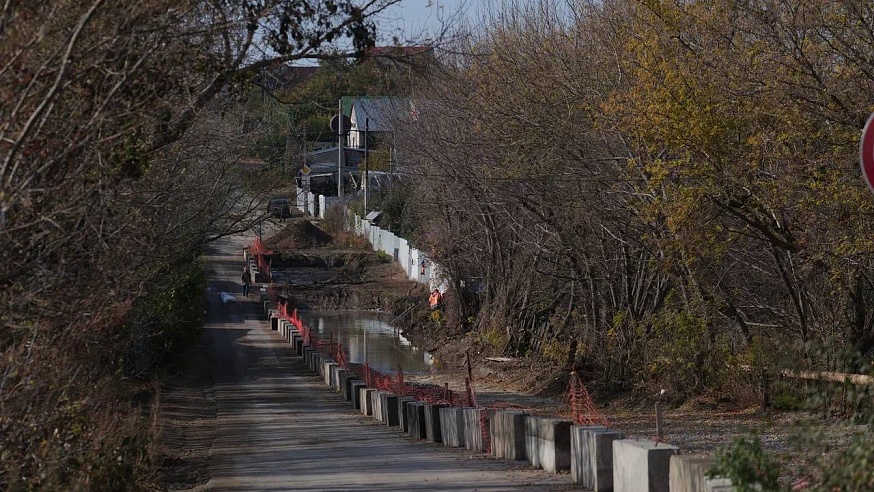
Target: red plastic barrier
{"x":583,"y":410}
{"x":340,"y":357}
{"x":259,"y":251}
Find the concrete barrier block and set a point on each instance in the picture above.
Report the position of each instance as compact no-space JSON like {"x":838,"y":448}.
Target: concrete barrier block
{"x":476,"y":425}
{"x":507,"y":429}
{"x":532,"y":440}
{"x":383,"y":396}
{"x":298,"y":345}
{"x":378,"y":399}
{"x":390,"y":409}
{"x":555,"y":445}
{"x":367,"y":401}
{"x":304,"y":353}
{"x":452,"y":426}
{"x":409,"y":418}
{"x":326,"y":372}
{"x":592,"y":456}
{"x":339,"y":379}
{"x":321,"y":359}
{"x":641,"y":465}
{"x":688,"y":472}
{"x":719,"y":485}
{"x":416,"y":420}
{"x":581,"y":456}
{"x":335,"y":376}
{"x":356,"y":393}
{"x":433,"y":431}
{"x":403,"y":401}
{"x":348,"y":380}
{"x":601,"y":447}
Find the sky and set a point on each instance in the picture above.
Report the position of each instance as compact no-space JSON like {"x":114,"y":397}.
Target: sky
{"x":423,"y":18}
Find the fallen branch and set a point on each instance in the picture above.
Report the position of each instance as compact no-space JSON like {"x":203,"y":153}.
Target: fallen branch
{"x":835,"y":377}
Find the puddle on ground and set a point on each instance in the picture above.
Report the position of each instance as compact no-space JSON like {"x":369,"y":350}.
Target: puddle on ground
{"x":369,"y":337}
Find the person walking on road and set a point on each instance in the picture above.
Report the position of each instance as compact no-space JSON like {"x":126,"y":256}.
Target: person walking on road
{"x":245,"y":278}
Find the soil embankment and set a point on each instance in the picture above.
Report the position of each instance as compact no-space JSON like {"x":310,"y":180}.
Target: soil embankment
{"x":317,"y":271}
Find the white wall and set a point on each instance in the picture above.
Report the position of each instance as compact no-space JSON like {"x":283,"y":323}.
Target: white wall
{"x":410,"y":259}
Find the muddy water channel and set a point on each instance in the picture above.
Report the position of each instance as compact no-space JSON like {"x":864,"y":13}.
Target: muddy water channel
{"x":369,"y":337}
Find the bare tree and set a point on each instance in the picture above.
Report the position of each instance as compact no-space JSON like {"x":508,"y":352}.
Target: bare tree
{"x":118,"y":152}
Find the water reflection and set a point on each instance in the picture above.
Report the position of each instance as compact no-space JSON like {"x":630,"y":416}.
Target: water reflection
{"x":368,"y":337}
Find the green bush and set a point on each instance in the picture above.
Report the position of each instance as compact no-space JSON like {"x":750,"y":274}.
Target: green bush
{"x":682,"y":351}
{"x":786,"y":399}
{"x":747,"y":465}
{"x":168,"y":320}
{"x":851,"y":469}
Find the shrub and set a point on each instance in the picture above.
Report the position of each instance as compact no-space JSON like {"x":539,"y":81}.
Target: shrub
{"x":747,"y":465}
{"x":335,"y":220}
{"x":850,"y":469}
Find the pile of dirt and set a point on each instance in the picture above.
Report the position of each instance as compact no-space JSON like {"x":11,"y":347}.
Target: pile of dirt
{"x":298,"y":234}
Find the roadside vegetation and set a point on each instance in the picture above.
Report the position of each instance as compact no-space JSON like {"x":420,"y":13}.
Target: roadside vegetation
{"x":661,"y":194}
{"x":121,"y":134}
{"x":664,"y":194}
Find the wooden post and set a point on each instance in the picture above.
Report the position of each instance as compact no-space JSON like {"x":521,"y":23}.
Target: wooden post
{"x":766,"y":389}
{"x":469,"y":371}
{"x":658,"y":415}
{"x":469,"y":382}
{"x":401,"y":389}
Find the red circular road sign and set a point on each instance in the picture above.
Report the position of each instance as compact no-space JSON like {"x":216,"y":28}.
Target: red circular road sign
{"x":866,"y":153}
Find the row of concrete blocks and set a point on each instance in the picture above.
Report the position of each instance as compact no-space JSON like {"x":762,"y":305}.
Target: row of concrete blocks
{"x":598,"y":458}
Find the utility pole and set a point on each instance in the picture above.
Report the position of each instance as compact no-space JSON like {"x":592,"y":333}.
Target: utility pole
{"x":340,"y":151}
{"x":366,"y":164}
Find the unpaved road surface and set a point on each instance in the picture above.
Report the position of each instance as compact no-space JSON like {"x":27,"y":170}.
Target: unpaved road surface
{"x":250,"y":416}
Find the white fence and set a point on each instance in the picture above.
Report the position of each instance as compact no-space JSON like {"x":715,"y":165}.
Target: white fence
{"x":414,"y":262}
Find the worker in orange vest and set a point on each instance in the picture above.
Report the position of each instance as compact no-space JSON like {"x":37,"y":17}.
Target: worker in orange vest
{"x":436,"y":299}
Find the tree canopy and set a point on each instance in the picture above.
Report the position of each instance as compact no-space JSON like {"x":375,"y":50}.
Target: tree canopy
{"x":658,"y":192}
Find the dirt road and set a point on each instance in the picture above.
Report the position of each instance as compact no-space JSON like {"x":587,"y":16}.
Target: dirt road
{"x":256,"y":419}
